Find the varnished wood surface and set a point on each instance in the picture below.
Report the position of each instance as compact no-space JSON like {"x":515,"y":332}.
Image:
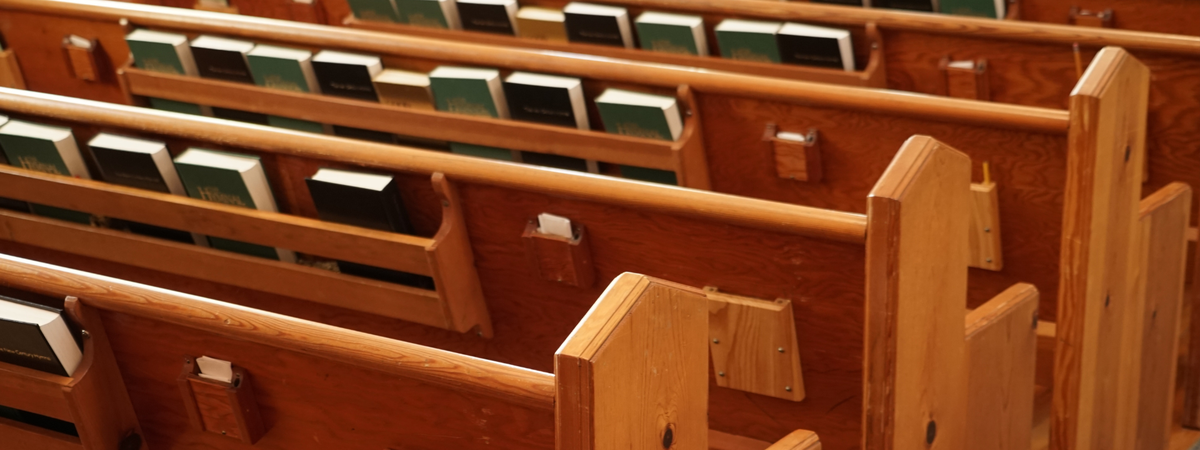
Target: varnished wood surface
{"x":1100,"y":229}
{"x":1156,"y":16}
{"x":798,"y":440}
{"x":915,"y":385}
{"x":1002,"y":358}
{"x":21,"y":435}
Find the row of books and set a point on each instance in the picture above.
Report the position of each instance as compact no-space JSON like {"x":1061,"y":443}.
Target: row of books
{"x":771,"y":42}
{"x":548,"y":99}
{"x":341,"y":196}
{"x":994,"y":9}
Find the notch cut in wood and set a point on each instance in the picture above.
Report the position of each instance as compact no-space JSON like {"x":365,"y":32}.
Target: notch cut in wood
{"x":753,"y":344}
{"x":986,"y":252}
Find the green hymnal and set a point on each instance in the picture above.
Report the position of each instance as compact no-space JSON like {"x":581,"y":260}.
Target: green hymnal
{"x":429,"y":13}
{"x":672,"y":33}
{"x":232,"y":179}
{"x":465,"y":90}
{"x":640,"y":115}
{"x":49,"y":149}
{"x":748,"y":40}
{"x":374,"y":10}
{"x":287,"y":69}
{"x":993,"y":9}
{"x":168,"y":53}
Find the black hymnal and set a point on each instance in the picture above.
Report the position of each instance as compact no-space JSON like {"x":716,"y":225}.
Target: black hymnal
{"x":240,"y":116}
{"x":909,"y":5}
{"x":546,"y":99}
{"x":222,"y":59}
{"x":142,"y":164}
{"x":364,"y":200}
{"x":364,"y":135}
{"x":840,"y":2}
{"x":555,"y":161}
{"x":489,"y":16}
{"x":815,"y":46}
{"x":37,"y":337}
{"x":347,"y":74}
{"x":598,"y":24}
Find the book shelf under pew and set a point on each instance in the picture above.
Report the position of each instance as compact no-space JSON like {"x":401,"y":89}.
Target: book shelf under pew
{"x":93,"y":399}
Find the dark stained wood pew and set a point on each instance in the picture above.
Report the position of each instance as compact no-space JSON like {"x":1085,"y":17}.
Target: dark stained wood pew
{"x":302,"y":370}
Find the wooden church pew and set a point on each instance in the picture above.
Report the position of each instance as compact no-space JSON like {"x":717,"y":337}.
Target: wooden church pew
{"x":914,"y":393}
{"x":1042,"y":273}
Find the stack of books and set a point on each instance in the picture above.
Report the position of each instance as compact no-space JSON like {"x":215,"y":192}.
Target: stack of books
{"x":791,"y":43}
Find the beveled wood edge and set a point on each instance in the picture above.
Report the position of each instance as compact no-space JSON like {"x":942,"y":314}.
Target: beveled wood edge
{"x":587,"y":66}
{"x":798,"y":440}
{"x":528,"y":136}
{"x":690,"y":158}
{"x":753,"y":213}
{"x":390,"y":250}
{"x":997,"y":307}
{"x":452,"y":262}
{"x":388,"y":300}
{"x":711,"y":62}
{"x":1162,"y":196}
{"x":438,"y":367}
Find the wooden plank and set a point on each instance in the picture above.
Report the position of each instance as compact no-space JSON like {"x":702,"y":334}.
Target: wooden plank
{"x":293,"y":280}
{"x":1104,"y":174}
{"x":798,"y":440}
{"x":986,"y":251}
{"x":915,"y":382}
{"x":19,"y":435}
{"x":753,"y":345}
{"x":34,"y":391}
{"x":1150,"y":349}
{"x":1001,"y":366}
{"x":725,"y":441}
{"x":637,"y":365}
{"x":98,"y":398}
{"x":378,"y":248}
{"x":433,"y":366}
{"x":452,"y":262}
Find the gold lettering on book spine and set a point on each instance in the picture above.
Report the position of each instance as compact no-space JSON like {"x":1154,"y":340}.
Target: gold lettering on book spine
{"x":214,"y":194}
{"x":664,"y":45}
{"x":421,"y":20}
{"x":463,"y":106}
{"x":746,"y":54}
{"x":633,"y":129}
{"x":155,"y":65}
{"x":25,"y":354}
{"x":32,"y":163}
{"x":277,"y":82}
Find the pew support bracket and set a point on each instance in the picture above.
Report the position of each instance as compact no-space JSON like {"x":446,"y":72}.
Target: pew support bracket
{"x":753,"y":345}
{"x":986,"y":251}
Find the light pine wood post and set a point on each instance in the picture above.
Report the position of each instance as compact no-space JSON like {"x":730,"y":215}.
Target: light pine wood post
{"x":1152,"y":323}
{"x":634,"y":373}
{"x":1096,"y":290}
{"x":1001,"y":368}
{"x":915,"y":382}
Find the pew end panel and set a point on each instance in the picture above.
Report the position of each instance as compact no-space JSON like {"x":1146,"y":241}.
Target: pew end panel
{"x":634,"y":373}
{"x":1001,"y":360}
{"x":457,"y":303}
{"x":94,"y":399}
{"x":1096,"y":291}
{"x":915,"y":390}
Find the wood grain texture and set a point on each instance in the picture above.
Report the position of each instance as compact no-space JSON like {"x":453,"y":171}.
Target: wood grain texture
{"x":915,"y":386}
{"x":1099,"y":229}
{"x":21,"y":435}
{"x":984,"y":242}
{"x":798,"y":440}
{"x":10,"y":71}
{"x":1001,"y":365}
{"x":1156,"y":16}
{"x":636,"y":369}
{"x":558,"y":258}
{"x":452,"y":263}
{"x":1153,"y":321}
{"x":753,"y":345}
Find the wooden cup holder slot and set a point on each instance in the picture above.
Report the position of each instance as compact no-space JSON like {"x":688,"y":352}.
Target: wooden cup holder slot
{"x":81,"y":57}
{"x":798,"y":160}
{"x":966,"y":79}
{"x":228,"y":409}
{"x":457,"y":304}
{"x":556,"y":258}
{"x":684,"y":156}
{"x":10,"y":71}
{"x":872,"y":74}
{"x":94,"y":398}
{"x":1095,"y":19}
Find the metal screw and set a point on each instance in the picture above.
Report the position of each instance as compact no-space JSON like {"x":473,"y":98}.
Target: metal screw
{"x":720,"y":374}
{"x":780,"y":349}
{"x":187,"y":360}
{"x":716,"y":341}
{"x":787,"y":388}
{"x":85,"y":334}
{"x":222,"y":432}
{"x":987,"y":230}
{"x":989,"y":260}
{"x":446,"y":203}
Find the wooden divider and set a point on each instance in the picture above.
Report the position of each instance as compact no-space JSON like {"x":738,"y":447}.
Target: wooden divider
{"x":457,"y":304}
{"x":1099,"y":250}
{"x":915,"y":382}
{"x":94,"y":399}
{"x":634,"y":373}
{"x":1001,"y":359}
